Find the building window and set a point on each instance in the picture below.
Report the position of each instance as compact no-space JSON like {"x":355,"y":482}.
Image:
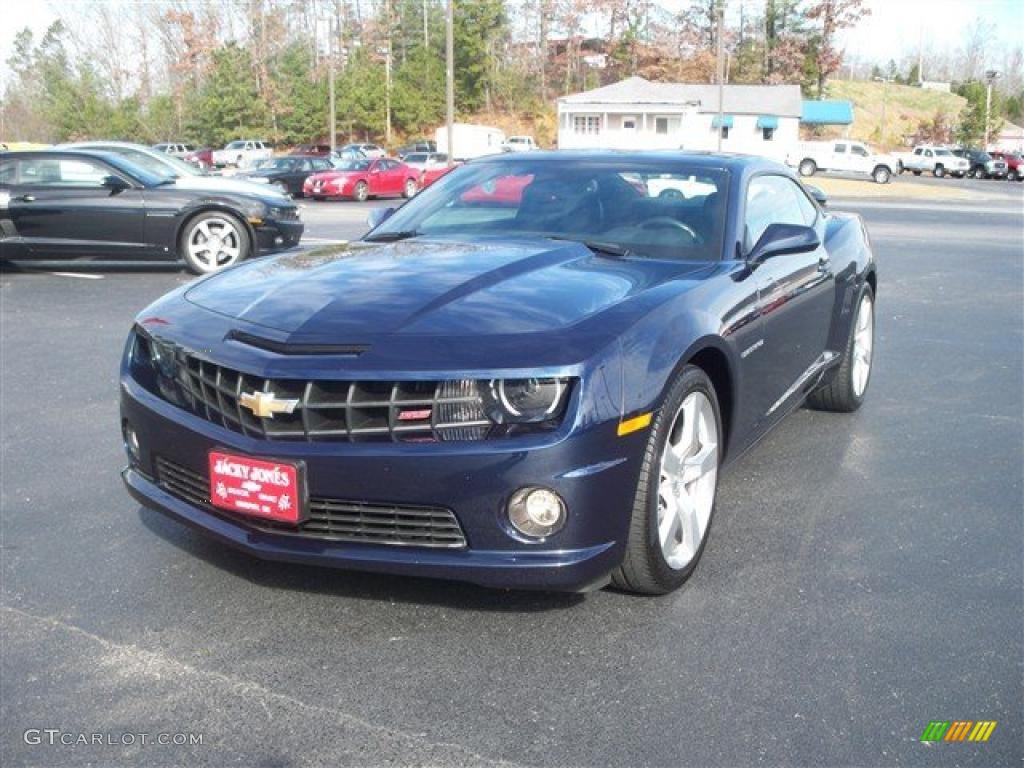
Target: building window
{"x":628,"y":123}
{"x":725,"y":131}
{"x":767,"y":134}
{"x":661,"y":125}
{"x":586,"y":124}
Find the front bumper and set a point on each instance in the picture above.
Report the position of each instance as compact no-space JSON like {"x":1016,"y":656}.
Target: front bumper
{"x":595,"y":472}
{"x":278,"y":235}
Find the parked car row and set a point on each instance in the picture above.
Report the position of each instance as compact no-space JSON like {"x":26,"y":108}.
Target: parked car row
{"x":856,"y":157}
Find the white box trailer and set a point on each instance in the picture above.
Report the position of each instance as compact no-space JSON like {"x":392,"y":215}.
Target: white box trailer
{"x":470,"y":140}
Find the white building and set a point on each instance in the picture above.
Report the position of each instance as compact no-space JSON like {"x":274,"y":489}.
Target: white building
{"x":638,"y":114}
{"x":1010,"y":139}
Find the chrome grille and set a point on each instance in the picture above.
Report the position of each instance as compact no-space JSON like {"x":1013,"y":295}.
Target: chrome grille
{"x":333,"y":519}
{"x":346,"y":411}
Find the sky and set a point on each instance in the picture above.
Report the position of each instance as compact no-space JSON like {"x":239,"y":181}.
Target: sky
{"x":892,"y":31}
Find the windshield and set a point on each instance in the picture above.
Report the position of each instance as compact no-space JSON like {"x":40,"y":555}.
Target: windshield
{"x":278,"y":163}
{"x":351,"y":165}
{"x":167,"y":166}
{"x":654,"y":207}
{"x":236,"y":145}
{"x":416,"y":158}
{"x":981,"y":157}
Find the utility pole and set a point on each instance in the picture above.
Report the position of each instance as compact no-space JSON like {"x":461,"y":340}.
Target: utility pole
{"x":990,"y":77}
{"x":721,"y":71}
{"x":449,"y":74}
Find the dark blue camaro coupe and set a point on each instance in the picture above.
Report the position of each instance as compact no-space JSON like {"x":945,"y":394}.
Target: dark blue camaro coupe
{"x":530,"y":375}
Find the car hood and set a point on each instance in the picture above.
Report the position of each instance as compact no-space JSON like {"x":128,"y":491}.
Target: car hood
{"x":227,"y":185}
{"x":430,"y":287}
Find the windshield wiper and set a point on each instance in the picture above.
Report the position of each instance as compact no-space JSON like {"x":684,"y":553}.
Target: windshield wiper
{"x":390,"y":237}
{"x":597,"y":246}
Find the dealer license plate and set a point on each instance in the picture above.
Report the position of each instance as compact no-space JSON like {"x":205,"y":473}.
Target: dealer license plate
{"x":272,"y":490}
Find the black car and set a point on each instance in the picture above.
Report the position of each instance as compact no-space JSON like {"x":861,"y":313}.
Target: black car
{"x":287,"y":173}
{"x":983,"y":165}
{"x":66,"y":203}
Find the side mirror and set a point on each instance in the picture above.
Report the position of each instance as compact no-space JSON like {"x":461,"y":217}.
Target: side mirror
{"x":378,"y":216}
{"x":818,"y":194}
{"x":115,"y":184}
{"x":780,"y":239}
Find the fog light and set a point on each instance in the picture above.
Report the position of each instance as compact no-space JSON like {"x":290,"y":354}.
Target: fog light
{"x":131,"y":443}
{"x":536,"y":512}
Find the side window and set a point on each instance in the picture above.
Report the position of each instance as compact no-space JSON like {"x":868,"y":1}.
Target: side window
{"x":859,"y":151}
{"x":840,"y":149}
{"x":63,"y":172}
{"x":918,"y":151}
{"x":927,"y":153}
{"x":772,"y":200}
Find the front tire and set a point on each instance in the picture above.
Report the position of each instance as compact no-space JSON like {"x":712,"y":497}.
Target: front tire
{"x":409,"y":190}
{"x":213,"y":241}
{"x":881,"y":175}
{"x":845,"y":393}
{"x":675,"y":494}
{"x":807,"y":167}
{"x":939,"y":172}
{"x":361,"y":192}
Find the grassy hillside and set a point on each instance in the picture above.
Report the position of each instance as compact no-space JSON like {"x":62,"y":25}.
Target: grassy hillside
{"x":906,"y":107}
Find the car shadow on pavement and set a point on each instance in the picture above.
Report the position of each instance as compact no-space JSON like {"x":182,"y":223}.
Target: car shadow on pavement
{"x":352,"y":584}
{"x":83,"y":266}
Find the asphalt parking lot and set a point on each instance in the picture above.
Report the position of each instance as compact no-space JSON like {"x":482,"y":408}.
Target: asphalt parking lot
{"x":863,"y":577}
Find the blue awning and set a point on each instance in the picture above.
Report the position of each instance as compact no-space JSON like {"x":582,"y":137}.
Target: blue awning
{"x":827,"y":112}
{"x":767,"y":121}
{"x":725,"y":122}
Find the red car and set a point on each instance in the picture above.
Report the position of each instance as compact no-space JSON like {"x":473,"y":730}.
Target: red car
{"x":429,"y":175}
{"x":200,"y":158}
{"x":1014,"y":172}
{"x":363,"y":178}
{"x":313,"y":150}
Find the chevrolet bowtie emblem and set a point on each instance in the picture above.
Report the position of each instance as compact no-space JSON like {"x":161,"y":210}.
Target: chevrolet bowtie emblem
{"x":266,"y":404}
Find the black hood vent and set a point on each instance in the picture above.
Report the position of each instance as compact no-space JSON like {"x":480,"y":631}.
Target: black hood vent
{"x":285,"y":348}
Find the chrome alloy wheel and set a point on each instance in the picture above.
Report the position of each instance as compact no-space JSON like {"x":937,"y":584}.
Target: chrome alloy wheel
{"x":863,"y":343}
{"x":215,"y":243}
{"x":689,"y":473}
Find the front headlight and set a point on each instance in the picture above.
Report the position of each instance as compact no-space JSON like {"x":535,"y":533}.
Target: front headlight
{"x":524,"y":401}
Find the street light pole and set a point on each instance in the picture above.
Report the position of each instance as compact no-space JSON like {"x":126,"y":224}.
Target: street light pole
{"x":332,"y":116}
{"x":449,"y":74}
{"x":885,"y":98}
{"x":990,"y":76}
{"x":721,"y":72}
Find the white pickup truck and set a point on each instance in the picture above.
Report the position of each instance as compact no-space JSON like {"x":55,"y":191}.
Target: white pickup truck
{"x":845,"y":156}
{"x":242,"y":153}
{"x":937,"y":161}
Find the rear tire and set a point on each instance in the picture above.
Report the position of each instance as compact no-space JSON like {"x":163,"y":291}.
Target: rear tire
{"x":939,"y":172}
{"x":881,"y":175}
{"x":807,"y":167}
{"x":672,"y":515}
{"x":845,"y":392}
{"x":917,"y":173}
